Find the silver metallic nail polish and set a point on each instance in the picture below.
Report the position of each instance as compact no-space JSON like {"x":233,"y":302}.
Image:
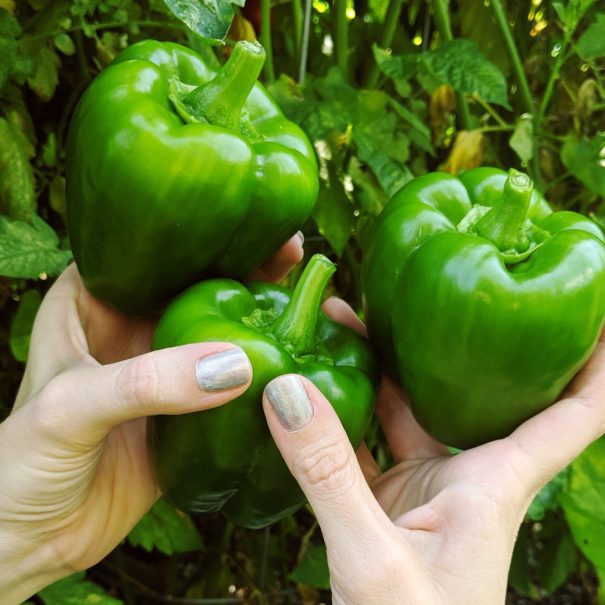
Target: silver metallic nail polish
{"x":222,"y":371}
{"x":290,"y":401}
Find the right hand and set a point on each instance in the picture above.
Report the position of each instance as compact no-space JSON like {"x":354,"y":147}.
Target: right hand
{"x":436,"y":529}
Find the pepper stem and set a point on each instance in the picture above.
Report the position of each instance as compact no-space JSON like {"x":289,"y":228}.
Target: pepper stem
{"x":221,"y":100}
{"x":296,"y":327}
{"x":503,"y":224}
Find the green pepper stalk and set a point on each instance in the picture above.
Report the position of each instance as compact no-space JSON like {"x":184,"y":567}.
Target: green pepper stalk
{"x":504,"y":224}
{"x":224,"y":458}
{"x":296,"y":327}
{"x":221,"y":101}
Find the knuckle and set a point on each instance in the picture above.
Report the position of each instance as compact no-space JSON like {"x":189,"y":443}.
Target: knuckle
{"x":327,"y":464}
{"x":138,"y":381}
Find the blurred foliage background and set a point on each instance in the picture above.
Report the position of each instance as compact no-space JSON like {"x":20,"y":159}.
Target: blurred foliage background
{"x":386,"y":90}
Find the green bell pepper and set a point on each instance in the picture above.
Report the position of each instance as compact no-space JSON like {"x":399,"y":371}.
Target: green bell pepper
{"x":481,"y":300}
{"x":176,"y":171}
{"x":225,"y":458}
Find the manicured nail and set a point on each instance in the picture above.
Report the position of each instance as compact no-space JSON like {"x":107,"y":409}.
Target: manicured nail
{"x":290,"y":401}
{"x":301,"y":237}
{"x":223,"y":371}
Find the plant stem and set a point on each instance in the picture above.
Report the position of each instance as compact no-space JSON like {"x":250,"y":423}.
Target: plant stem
{"x":440,"y":7}
{"x":342,"y":37}
{"x":297,"y":18}
{"x":492,"y":112}
{"x":389,"y":27}
{"x":295,"y":327}
{"x":265,"y":38}
{"x":304,"y":51}
{"x":501,"y":18}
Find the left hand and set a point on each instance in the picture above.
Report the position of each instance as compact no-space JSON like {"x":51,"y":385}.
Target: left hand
{"x":74,"y":471}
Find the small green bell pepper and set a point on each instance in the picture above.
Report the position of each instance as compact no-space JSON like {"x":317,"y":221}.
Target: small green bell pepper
{"x":176,"y":171}
{"x":481,"y":300}
{"x":225,"y":458}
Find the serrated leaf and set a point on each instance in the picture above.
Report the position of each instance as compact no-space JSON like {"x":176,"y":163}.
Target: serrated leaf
{"x":30,"y":250}
{"x":65,"y":44}
{"x":45,"y":76}
{"x":165,"y":529}
{"x":22,"y":325}
{"x":460,"y":64}
{"x":17,"y":195}
{"x":333,"y":215}
{"x":400,"y":67}
{"x":585,"y":159}
{"x":548,"y":497}
{"x":76,"y":590}
{"x":591,"y":44}
{"x":313,"y":569}
{"x":558,"y":558}
{"x":584,"y":503}
{"x":522,"y":139}
{"x":210,"y":19}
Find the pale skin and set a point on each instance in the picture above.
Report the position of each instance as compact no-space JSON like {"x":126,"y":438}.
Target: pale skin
{"x":75,"y":477}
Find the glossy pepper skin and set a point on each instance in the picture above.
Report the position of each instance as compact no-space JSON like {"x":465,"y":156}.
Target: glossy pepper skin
{"x":481,"y":300}
{"x":225,"y":458}
{"x":176,"y":171}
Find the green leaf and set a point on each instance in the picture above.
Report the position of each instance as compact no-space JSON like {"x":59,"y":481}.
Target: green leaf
{"x":522,"y":139}
{"x":584,"y":503}
{"x":401,"y":67}
{"x":165,"y":529}
{"x":30,"y":250}
{"x":45,"y":77}
{"x":210,"y":19}
{"x":333,"y":215}
{"x":22,"y":325}
{"x":76,"y":590}
{"x":548,"y":497}
{"x":65,"y":44}
{"x":558,"y":558}
{"x":17,"y":196}
{"x":585,"y":159}
{"x":519,"y":573}
{"x":14,"y":65}
{"x":313,"y":569}
{"x":460,"y":64}
{"x":591,"y":44}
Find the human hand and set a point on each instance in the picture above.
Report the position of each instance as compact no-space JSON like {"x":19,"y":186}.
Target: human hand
{"x":436,"y":528}
{"x":75,"y":475}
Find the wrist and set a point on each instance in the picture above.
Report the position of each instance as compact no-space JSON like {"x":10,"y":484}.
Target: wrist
{"x":27,"y":565}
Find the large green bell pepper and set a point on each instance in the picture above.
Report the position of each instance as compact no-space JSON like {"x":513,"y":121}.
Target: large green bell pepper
{"x":176,"y":171}
{"x":481,"y":300}
{"x":224,"y":458}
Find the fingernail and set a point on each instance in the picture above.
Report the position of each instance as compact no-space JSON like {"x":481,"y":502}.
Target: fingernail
{"x":223,"y":371}
{"x":290,"y":401}
{"x":301,"y":237}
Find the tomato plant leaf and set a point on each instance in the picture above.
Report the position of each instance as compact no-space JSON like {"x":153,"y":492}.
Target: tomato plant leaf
{"x":76,"y":590}
{"x":22,"y":325}
{"x":460,"y":64}
{"x":29,"y":250}
{"x":585,"y":159}
{"x":584,"y":503}
{"x":313,"y":569}
{"x":165,"y":529}
{"x":591,"y":44}
{"x":17,"y":195}
{"x":208,"y":18}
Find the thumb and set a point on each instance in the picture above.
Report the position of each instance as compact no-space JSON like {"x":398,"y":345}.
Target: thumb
{"x":81,"y":405}
{"x":318,"y":453}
